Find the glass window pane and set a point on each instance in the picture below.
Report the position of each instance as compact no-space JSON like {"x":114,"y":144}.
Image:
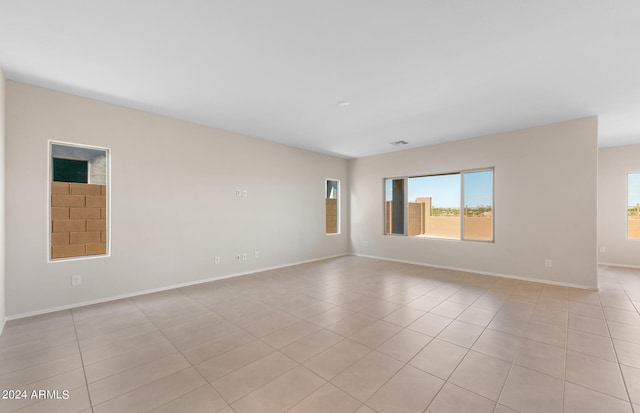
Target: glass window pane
{"x":633,"y":206}
{"x":478,"y":205}
{"x":394,"y":206}
{"x":78,"y":201}
{"x":332,"y":189}
{"x":331,"y":207}
{"x":70,"y":170}
{"x":434,"y":206}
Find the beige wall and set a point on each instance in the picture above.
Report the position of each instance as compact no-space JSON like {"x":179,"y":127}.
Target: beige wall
{"x":2,"y":203}
{"x":545,"y":203}
{"x":191,"y":170}
{"x":613,"y":166}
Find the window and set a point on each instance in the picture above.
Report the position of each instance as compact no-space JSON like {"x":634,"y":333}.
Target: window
{"x":70,"y":170}
{"x":434,"y":206}
{"x":394,"y":209}
{"x":455,"y":205}
{"x":332,"y":206}
{"x":633,"y":206}
{"x":78,"y":212}
{"x":477,"y":200}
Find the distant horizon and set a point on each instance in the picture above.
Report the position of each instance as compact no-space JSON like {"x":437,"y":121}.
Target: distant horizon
{"x":444,"y":190}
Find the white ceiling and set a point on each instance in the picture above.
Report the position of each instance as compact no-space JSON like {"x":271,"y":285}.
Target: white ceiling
{"x":424,"y":71}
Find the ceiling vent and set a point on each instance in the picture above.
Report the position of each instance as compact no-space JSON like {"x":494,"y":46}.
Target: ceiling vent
{"x":399,"y":143}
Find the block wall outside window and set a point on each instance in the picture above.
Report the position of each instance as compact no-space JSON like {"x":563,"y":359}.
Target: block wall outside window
{"x":78,"y":220}
{"x":332,"y":216}
{"x":78,"y":204}
{"x":332,"y":209}
{"x":633,"y":206}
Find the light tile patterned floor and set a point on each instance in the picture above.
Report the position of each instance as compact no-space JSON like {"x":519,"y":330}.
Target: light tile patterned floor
{"x":343,"y":335}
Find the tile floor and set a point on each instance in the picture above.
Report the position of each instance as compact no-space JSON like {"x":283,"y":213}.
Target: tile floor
{"x":343,"y":335}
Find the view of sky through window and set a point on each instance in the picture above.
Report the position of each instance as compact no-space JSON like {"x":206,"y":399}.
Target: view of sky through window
{"x":478,"y":189}
{"x":634,"y":190}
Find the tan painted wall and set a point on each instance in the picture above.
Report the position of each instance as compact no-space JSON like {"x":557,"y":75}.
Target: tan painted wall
{"x":537,"y":190}
{"x":478,"y":228}
{"x":173,"y":201}
{"x":446,"y":227}
{"x":475,"y":228}
{"x":416,"y":219}
{"x":633,"y":227}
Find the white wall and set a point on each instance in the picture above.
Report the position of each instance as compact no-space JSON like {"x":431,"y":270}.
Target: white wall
{"x":192,"y":170}
{"x":545,"y":203}
{"x":2,"y":205}
{"x":613,"y":166}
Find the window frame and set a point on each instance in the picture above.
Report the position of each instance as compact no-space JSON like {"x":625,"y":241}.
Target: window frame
{"x":338,"y":199}
{"x":461,"y":172}
{"x":49,"y":180}
{"x":626,"y":211}
{"x":405,"y":196}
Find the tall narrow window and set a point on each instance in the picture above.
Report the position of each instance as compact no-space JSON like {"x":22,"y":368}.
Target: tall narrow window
{"x":633,"y":206}
{"x":394,"y":206}
{"x":478,"y":205}
{"x":332,"y":206}
{"x":78,"y":214}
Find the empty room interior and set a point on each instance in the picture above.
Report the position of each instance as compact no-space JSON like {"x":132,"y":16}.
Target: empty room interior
{"x":345,"y":207}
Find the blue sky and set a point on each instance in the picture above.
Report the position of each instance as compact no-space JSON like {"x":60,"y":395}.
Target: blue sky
{"x":634,"y":190}
{"x":445,"y":189}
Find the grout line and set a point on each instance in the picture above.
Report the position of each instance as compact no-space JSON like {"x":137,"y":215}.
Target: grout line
{"x":566,"y":345}
{"x":244,"y":365}
{"x":84,"y":370}
{"x":180,"y":351}
{"x":299,"y":285}
{"x":615,"y":351}
{"x":522,"y":338}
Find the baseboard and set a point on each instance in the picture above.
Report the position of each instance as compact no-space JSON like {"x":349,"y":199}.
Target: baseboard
{"x":226,"y":276}
{"x":493,"y":274}
{"x":156,"y":290}
{"x":610,"y":264}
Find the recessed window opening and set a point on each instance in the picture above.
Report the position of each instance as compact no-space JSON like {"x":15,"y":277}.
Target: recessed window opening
{"x":394,"y":206}
{"x":78,"y":212}
{"x":633,"y":206}
{"x":456,"y":205}
{"x":332,"y":206}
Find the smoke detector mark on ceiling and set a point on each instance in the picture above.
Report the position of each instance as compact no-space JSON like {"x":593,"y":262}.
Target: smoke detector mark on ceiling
{"x":399,"y":143}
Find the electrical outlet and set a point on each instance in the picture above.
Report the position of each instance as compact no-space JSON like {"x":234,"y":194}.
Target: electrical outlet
{"x":238,"y":192}
{"x":548,"y":263}
{"x":244,"y":256}
{"x":238,"y":257}
{"x":602,"y":249}
{"x":245,"y":193}
{"x":217,"y":260}
{"x":256,"y":254}
{"x":76,"y":280}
